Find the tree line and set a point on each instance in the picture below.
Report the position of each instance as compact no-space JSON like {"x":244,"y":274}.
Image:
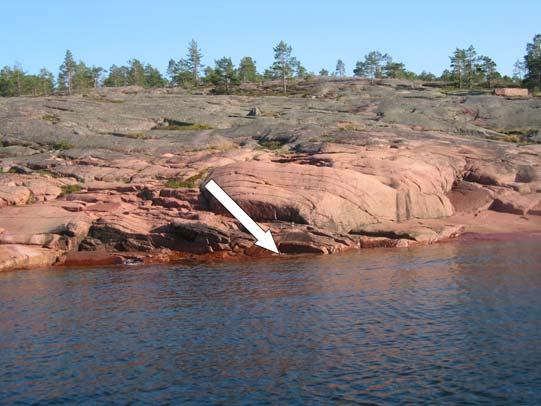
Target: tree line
{"x":467,"y":69}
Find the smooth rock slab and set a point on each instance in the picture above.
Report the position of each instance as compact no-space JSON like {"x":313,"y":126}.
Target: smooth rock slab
{"x":16,"y":256}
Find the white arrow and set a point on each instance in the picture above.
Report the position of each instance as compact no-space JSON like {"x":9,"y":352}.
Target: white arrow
{"x":264,"y":238}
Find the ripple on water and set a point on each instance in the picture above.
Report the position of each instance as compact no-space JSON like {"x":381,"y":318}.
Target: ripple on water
{"x":452,"y":323}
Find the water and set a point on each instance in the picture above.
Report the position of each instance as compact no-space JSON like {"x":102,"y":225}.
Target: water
{"x":447,"y":324}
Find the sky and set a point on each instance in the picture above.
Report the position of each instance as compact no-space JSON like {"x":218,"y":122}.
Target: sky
{"x":421,"y":34}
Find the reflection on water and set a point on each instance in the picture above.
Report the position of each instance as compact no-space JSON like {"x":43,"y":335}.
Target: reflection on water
{"x":452,"y":323}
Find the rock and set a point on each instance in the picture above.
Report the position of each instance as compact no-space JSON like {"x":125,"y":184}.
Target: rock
{"x":299,"y":239}
{"x":43,"y":225}
{"x":329,"y":198}
{"x":201,"y":237}
{"x":15,"y":151}
{"x":413,"y":230}
{"x":124,"y":232}
{"x":535,"y":210}
{"x":254,"y":112}
{"x":515,"y":203}
{"x":511,"y":92}
{"x":401,"y":163}
{"x":85,"y":258}
{"x":16,"y":256}
{"x":171,"y":202}
{"x":528,"y":174}
{"x":467,"y":197}
{"x":14,"y":195}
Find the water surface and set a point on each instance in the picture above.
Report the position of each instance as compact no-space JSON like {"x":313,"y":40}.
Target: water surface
{"x":447,"y":324}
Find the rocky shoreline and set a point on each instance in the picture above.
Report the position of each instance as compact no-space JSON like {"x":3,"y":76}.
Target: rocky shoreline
{"x":116,"y":176}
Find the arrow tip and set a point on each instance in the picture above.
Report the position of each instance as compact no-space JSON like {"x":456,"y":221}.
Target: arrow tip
{"x":267,"y":241}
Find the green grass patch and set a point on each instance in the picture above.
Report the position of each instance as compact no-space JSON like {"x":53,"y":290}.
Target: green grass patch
{"x":270,"y":144}
{"x":52,"y":118}
{"x":175,"y":125}
{"x":103,"y":99}
{"x":46,"y":172}
{"x":517,"y":136}
{"x":189,"y":183}
{"x":135,"y":136}
{"x":62,"y":145}
{"x":69,"y":189}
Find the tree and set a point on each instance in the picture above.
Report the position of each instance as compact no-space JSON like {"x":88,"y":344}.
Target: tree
{"x":6,"y":83}
{"x":532,"y":63}
{"x":97,"y":72}
{"x":67,"y":71}
{"x":153,"y":77}
{"x":372,"y":66}
{"x":340,"y":68}
{"x":225,"y":73}
{"x":83,"y":77}
{"x":324,"y":72}
{"x":470,"y":64}
{"x":519,"y":71}
{"x":301,"y":72}
{"x":426,"y":76}
{"x":136,"y":73}
{"x":247,"y":70}
{"x":193,"y":60}
{"x":487,"y":68}
{"x":18,"y":76}
{"x":394,"y":70}
{"x":118,"y":76}
{"x":186,"y":71}
{"x":284,"y":63}
{"x":458,"y":65}
{"x":46,"y":81}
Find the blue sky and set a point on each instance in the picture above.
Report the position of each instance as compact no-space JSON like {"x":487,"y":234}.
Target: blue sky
{"x":422,"y":34}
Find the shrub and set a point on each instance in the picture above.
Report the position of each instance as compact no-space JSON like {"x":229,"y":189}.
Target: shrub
{"x":270,"y":144}
{"x":53,"y":118}
{"x":188,"y":183}
{"x":69,"y":189}
{"x":62,"y":145}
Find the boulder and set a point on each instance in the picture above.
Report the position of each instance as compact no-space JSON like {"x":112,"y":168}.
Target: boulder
{"x":467,"y":197}
{"x":43,"y":225}
{"x":16,"y":256}
{"x":511,"y":92}
{"x":515,"y":203}
{"x":328,"y":198}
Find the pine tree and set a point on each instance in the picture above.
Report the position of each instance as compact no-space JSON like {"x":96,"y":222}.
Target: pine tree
{"x":153,"y":77}
{"x":118,"y":76}
{"x":395,"y":70}
{"x":247,"y":70}
{"x":46,"y":81}
{"x":340,"y":68}
{"x":97,"y":72}
{"x":186,"y":71}
{"x":372,"y":66}
{"x":284,"y":63}
{"x":18,"y":76}
{"x":323,"y":72}
{"x":83,"y":78}
{"x":193,"y":60}
{"x":225,"y":73}
{"x":519,"y":71}
{"x":532,"y":63}
{"x":136,"y":73}
{"x":487,"y":67}
{"x":458,"y":65}
{"x":469,"y":65}
{"x":67,"y":71}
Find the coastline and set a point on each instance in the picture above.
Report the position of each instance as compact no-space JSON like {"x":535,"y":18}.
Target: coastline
{"x":82,"y":259}
{"x":355,"y":165}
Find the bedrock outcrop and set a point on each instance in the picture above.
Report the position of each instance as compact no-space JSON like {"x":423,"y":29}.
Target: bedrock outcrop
{"x":117,"y":177}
